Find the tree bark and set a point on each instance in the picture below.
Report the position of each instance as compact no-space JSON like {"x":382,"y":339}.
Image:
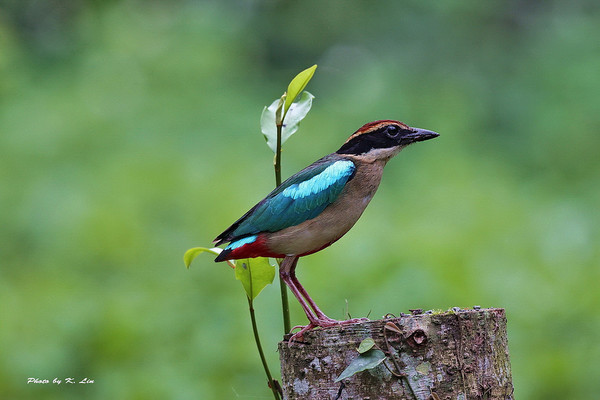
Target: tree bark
{"x":458,"y":354}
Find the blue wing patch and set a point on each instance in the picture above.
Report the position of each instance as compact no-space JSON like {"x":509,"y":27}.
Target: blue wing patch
{"x":321,"y":182}
{"x":241,"y":242}
{"x":300,"y":198}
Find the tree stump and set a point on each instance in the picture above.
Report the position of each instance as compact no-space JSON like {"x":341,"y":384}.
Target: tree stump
{"x":458,"y":354}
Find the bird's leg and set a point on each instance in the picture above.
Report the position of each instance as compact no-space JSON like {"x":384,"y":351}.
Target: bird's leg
{"x":316,"y":317}
{"x":318,"y":313}
{"x":322,"y":319}
{"x":289,"y":263}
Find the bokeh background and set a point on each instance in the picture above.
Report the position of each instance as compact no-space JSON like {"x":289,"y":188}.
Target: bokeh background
{"x":129,"y":132}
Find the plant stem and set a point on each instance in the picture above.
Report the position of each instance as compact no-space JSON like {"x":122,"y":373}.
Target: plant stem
{"x":278,"y":156}
{"x":260,"y":350}
{"x":285,"y":305}
{"x":287,"y":326}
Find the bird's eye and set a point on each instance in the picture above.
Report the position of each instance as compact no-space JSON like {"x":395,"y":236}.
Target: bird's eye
{"x":392,"y":131}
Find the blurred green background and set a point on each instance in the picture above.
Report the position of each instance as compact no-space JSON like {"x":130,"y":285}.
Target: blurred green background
{"x":129,"y":132}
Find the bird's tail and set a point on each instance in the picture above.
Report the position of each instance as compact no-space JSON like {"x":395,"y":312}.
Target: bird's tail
{"x":223,"y":256}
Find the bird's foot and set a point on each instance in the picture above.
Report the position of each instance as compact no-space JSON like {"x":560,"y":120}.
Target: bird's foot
{"x":324,"y":322}
{"x":297,"y":337}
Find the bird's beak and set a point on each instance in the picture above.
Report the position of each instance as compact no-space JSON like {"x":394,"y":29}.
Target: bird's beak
{"x":418,"y":135}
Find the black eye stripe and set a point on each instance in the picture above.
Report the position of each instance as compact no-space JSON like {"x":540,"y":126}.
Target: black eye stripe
{"x":376,"y":139}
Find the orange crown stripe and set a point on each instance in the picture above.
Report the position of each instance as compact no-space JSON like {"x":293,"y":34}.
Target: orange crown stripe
{"x":373,"y":126}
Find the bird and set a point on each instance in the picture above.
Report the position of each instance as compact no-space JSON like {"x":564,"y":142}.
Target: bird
{"x":316,"y":206}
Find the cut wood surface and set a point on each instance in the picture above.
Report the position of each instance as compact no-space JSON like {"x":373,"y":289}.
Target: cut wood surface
{"x":458,"y":354}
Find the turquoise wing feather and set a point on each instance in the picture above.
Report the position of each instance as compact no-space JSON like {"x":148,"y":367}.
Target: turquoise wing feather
{"x":301,"y":197}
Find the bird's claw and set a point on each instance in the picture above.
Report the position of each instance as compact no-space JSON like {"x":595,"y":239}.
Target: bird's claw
{"x":296,"y":337}
{"x":321,"y":323}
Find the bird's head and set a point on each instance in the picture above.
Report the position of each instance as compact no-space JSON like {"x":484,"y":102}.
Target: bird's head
{"x":382,"y":140}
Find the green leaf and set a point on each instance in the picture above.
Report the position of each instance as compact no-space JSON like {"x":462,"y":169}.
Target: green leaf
{"x":296,"y":114}
{"x":255,"y":274}
{"x":364,"y":361}
{"x":366,"y":345}
{"x":297,"y":85}
{"x":192,"y":253}
{"x":268,"y":126}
